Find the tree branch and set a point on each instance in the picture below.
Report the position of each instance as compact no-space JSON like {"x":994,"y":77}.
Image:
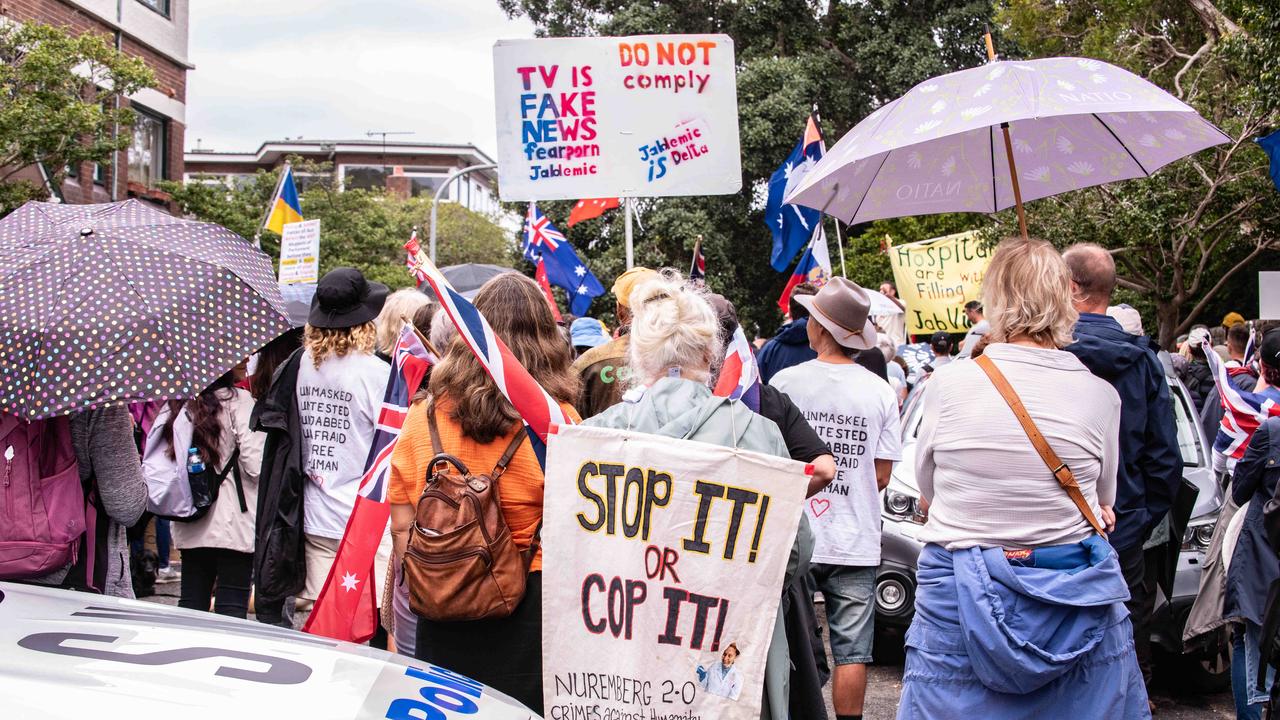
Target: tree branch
{"x":1177,"y":77}
{"x":1261,"y":247}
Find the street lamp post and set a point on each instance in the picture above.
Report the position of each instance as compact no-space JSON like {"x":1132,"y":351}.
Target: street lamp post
{"x":435,"y":199}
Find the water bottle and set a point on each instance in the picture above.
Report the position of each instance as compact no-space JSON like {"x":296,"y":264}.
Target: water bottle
{"x":195,"y":463}
{"x":198,"y":480}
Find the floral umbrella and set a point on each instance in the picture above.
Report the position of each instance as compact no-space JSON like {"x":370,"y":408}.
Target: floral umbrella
{"x":1067,"y":123}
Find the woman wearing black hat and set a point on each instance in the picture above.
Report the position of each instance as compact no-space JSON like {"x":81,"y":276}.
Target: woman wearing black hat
{"x":339,"y":393}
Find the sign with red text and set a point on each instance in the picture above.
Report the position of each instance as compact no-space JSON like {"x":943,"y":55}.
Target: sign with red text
{"x":642,"y":116}
{"x":663,"y":565}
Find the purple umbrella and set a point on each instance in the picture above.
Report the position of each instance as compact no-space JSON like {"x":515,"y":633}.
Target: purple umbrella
{"x":971,"y":140}
{"x":120,"y":302}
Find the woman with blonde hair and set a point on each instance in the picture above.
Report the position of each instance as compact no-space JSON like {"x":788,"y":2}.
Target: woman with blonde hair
{"x":476,"y":424}
{"x":1020,"y":604}
{"x":319,"y":413}
{"x":674,"y":348}
{"x":400,"y":308}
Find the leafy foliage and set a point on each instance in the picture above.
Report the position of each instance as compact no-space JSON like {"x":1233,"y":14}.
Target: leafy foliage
{"x":1187,"y":240}
{"x":58,"y":107}
{"x":358,"y":228}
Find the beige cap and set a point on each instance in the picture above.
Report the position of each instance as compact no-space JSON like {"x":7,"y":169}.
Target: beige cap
{"x":627,"y":281}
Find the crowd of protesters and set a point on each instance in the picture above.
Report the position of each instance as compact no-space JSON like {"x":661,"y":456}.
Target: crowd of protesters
{"x":1047,"y":457}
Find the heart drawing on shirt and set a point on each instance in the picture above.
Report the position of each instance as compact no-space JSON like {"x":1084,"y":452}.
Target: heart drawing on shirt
{"x":819,"y":506}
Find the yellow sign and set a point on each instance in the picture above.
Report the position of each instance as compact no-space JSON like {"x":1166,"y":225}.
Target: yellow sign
{"x":935,"y":278}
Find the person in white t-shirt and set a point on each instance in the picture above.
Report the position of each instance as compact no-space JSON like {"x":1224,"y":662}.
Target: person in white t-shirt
{"x":339,"y":394}
{"x":856,"y":413}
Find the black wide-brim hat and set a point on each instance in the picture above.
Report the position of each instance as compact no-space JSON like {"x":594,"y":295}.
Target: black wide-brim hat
{"x":344,"y":299}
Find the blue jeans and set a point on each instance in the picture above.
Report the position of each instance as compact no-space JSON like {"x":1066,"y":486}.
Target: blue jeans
{"x":163,"y":542}
{"x":1239,"y":683}
{"x":1245,"y":658}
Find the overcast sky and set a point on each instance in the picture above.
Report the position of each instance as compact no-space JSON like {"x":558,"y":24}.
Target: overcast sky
{"x":337,"y":69}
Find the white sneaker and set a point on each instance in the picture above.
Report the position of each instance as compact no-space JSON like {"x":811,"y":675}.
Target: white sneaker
{"x":168,"y":575}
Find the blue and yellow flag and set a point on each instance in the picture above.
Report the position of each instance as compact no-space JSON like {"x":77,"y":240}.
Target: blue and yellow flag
{"x":285,"y":206}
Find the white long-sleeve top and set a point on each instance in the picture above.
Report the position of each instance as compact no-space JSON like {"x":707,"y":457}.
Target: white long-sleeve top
{"x":985,"y":483}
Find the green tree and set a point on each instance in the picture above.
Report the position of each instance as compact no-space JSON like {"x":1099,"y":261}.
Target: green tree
{"x":358,"y":228}
{"x":59,"y":104}
{"x":848,"y":58}
{"x":1185,"y":240}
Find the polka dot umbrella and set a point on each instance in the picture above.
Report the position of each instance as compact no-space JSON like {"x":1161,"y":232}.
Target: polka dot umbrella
{"x":121,"y":302}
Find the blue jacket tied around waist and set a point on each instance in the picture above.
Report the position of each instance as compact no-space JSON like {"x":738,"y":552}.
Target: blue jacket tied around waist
{"x":1045,"y":638}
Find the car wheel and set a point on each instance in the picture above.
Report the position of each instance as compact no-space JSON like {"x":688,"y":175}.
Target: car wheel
{"x":1201,"y":672}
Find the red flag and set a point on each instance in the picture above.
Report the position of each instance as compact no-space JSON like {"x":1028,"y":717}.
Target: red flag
{"x":345,"y":608}
{"x":587,"y":209}
{"x":541,"y":275}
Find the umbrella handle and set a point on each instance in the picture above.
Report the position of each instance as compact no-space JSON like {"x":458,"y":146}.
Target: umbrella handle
{"x":1013,"y":178}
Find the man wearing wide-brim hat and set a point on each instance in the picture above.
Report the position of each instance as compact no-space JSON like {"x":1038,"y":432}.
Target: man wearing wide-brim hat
{"x":856,"y":412}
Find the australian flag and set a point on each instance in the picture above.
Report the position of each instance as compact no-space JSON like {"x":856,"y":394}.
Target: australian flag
{"x":543,"y":241}
{"x":793,"y":225}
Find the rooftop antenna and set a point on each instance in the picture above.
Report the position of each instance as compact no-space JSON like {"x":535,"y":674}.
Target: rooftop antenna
{"x":384,"y":134}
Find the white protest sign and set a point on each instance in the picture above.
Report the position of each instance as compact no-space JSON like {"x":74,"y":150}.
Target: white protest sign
{"x":300,"y":252}
{"x":663,"y":563}
{"x":643,"y":116}
{"x":1269,"y":295}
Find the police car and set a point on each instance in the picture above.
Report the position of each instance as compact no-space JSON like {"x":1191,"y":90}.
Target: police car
{"x":72,"y":655}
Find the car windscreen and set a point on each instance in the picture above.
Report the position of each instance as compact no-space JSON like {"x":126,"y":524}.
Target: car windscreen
{"x":1185,"y":421}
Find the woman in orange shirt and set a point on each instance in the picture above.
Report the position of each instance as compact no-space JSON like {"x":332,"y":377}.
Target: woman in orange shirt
{"x":476,"y":424}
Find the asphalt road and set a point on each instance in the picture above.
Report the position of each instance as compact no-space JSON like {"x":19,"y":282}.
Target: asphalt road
{"x":884,"y":685}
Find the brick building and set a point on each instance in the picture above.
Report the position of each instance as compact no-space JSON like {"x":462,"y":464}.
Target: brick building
{"x":403,"y":168}
{"x":156,"y":31}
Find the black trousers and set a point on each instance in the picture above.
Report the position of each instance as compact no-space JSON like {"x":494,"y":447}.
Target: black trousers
{"x":1139,"y":575}
{"x":204,"y":569}
{"x":503,"y":653}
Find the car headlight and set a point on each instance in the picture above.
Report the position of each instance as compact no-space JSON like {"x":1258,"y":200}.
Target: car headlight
{"x":1199,"y":534}
{"x":901,"y":506}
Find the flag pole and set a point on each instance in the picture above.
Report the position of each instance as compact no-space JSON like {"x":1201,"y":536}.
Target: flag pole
{"x":697,"y":247}
{"x":627,"y":207}
{"x":271,"y":204}
{"x":840,"y":245}
{"x":1008,"y":151}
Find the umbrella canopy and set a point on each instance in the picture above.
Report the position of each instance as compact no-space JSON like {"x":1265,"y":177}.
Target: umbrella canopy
{"x":881,"y":304}
{"x":120,"y":302}
{"x":1073,"y":122}
{"x":468,"y":277}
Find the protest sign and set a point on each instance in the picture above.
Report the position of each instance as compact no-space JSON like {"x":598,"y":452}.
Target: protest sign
{"x":1269,"y":295}
{"x":935,"y":278}
{"x":643,"y":116}
{"x":662,"y":569}
{"x":300,"y":252}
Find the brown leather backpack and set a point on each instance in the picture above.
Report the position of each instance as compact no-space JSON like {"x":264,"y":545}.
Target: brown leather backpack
{"x":461,"y":562}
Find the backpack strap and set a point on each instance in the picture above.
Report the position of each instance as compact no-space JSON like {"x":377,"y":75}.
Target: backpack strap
{"x":1060,"y":471}
{"x":233,"y":466}
{"x":436,"y":448}
{"x":509,"y":453}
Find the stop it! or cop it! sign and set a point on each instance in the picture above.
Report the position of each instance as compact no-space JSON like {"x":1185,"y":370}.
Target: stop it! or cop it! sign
{"x":642,"y":116}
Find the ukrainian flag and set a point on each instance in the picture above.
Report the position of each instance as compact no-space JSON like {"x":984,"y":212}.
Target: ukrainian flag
{"x":285,"y":206}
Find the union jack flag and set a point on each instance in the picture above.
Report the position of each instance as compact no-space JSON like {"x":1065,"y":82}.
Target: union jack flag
{"x":1242,"y":413}
{"x":345,"y":608}
{"x":537,"y":409}
{"x":418,"y":275}
{"x":739,"y":376}
{"x":538,"y":233}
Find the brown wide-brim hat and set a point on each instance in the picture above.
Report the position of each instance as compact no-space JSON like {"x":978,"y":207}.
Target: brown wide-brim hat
{"x":844,"y":310}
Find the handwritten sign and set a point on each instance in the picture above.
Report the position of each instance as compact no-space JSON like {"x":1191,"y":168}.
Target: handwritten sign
{"x":300,"y":252}
{"x":662,"y":570}
{"x":935,"y":278}
{"x":643,"y":116}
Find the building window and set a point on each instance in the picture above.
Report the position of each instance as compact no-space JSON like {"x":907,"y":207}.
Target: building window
{"x":423,"y":181}
{"x":160,"y":6}
{"x":73,"y":170}
{"x":364,"y":177}
{"x":147,"y":151}
{"x":99,"y":174}
{"x":305,"y":180}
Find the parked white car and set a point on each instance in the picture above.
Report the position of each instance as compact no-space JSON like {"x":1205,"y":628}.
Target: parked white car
{"x":71,"y":655}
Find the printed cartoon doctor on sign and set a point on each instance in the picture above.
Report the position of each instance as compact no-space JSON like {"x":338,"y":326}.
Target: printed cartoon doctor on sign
{"x":723,"y":679}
